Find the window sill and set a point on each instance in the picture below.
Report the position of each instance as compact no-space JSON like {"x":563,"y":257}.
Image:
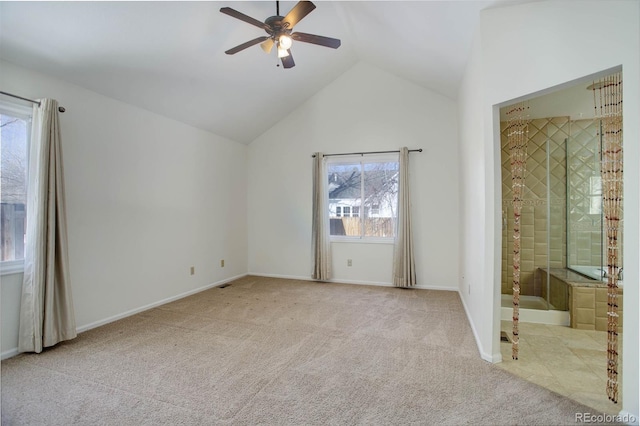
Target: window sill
{"x":10,"y":267}
{"x":370,"y":240}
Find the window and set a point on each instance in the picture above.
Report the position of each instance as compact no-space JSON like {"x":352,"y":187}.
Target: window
{"x":15,"y":123}
{"x":595,"y":194}
{"x":366,"y":185}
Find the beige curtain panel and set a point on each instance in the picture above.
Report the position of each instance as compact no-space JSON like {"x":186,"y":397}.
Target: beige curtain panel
{"x":404,"y":267}
{"x":321,"y":247}
{"x":46,"y":312}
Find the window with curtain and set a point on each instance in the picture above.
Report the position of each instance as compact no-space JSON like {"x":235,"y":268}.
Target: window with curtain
{"x":363,"y":197}
{"x":15,"y":126}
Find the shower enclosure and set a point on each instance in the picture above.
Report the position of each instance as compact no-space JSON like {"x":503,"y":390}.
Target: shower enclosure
{"x":543,"y":217}
{"x":562,"y":235}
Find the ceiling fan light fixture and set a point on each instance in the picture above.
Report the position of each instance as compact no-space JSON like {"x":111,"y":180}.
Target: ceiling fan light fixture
{"x":285,"y":41}
{"x":282,"y":53}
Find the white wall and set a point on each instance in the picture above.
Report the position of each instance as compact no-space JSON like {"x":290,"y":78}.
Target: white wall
{"x":525,"y":49}
{"x":365,"y":109}
{"x":147,"y":197}
{"x":10,"y":290}
{"x":475,"y":290}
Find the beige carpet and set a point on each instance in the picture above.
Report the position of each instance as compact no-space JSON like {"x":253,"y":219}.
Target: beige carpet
{"x":278,"y":352}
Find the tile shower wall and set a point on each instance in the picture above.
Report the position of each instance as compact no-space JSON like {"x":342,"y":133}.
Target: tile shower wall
{"x":543,"y":220}
{"x":585,"y":223}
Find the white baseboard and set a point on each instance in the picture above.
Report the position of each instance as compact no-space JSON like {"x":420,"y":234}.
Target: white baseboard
{"x":14,"y":351}
{"x":286,"y":277}
{"x":492,"y":358}
{"x":308,"y":278}
{"x":345,"y":281}
{"x":155,"y":304}
{"x":9,"y":353}
{"x":360,"y":282}
{"x":436,"y":287}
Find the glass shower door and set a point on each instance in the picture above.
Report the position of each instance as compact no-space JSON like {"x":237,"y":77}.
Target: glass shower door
{"x":584,"y":199}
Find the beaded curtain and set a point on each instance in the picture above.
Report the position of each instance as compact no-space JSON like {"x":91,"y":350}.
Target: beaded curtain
{"x":517,"y":135}
{"x":607,"y":99}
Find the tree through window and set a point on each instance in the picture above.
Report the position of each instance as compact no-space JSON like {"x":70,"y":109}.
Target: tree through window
{"x":14,"y":136}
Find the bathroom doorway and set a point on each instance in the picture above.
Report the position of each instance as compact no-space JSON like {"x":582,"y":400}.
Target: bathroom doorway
{"x":563,"y":283}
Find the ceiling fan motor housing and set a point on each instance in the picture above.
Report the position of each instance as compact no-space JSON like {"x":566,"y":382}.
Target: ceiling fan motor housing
{"x":276,"y":25}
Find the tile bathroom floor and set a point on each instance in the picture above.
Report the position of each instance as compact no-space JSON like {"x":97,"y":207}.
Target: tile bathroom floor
{"x":567,"y":361}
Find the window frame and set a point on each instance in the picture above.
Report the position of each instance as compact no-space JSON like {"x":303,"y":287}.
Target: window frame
{"x":362,"y":210}
{"x":8,"y":267}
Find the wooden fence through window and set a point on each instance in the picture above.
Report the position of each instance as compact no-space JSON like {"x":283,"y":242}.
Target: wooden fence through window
{"x":373,"y":226}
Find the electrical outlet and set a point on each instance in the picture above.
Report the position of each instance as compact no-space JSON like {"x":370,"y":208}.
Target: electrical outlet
{"x":222,"y":263}
{"x":192,"y":270}
{"x":349,"y":262}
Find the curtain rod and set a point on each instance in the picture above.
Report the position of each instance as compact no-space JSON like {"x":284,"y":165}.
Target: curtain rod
{"x":366,"y":153}
{"x":61,"y":109}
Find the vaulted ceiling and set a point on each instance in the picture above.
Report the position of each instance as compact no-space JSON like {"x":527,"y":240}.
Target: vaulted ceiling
{"x":168,"y":57}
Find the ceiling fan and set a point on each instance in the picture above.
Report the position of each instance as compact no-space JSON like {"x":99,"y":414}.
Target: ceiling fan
{"x":280,"y":32}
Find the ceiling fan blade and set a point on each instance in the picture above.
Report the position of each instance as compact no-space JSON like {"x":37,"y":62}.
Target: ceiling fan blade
{"x":287,"y":61}
{"x":245,"y":45}
{"x":333,"y":43}
{"x":241,"y":16}
{"x":299,"y":11}
{"x":267,"y":45}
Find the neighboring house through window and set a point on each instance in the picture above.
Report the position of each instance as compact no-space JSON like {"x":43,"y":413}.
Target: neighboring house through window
{"x":367,"y":185}
{"x":15,"y":126}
